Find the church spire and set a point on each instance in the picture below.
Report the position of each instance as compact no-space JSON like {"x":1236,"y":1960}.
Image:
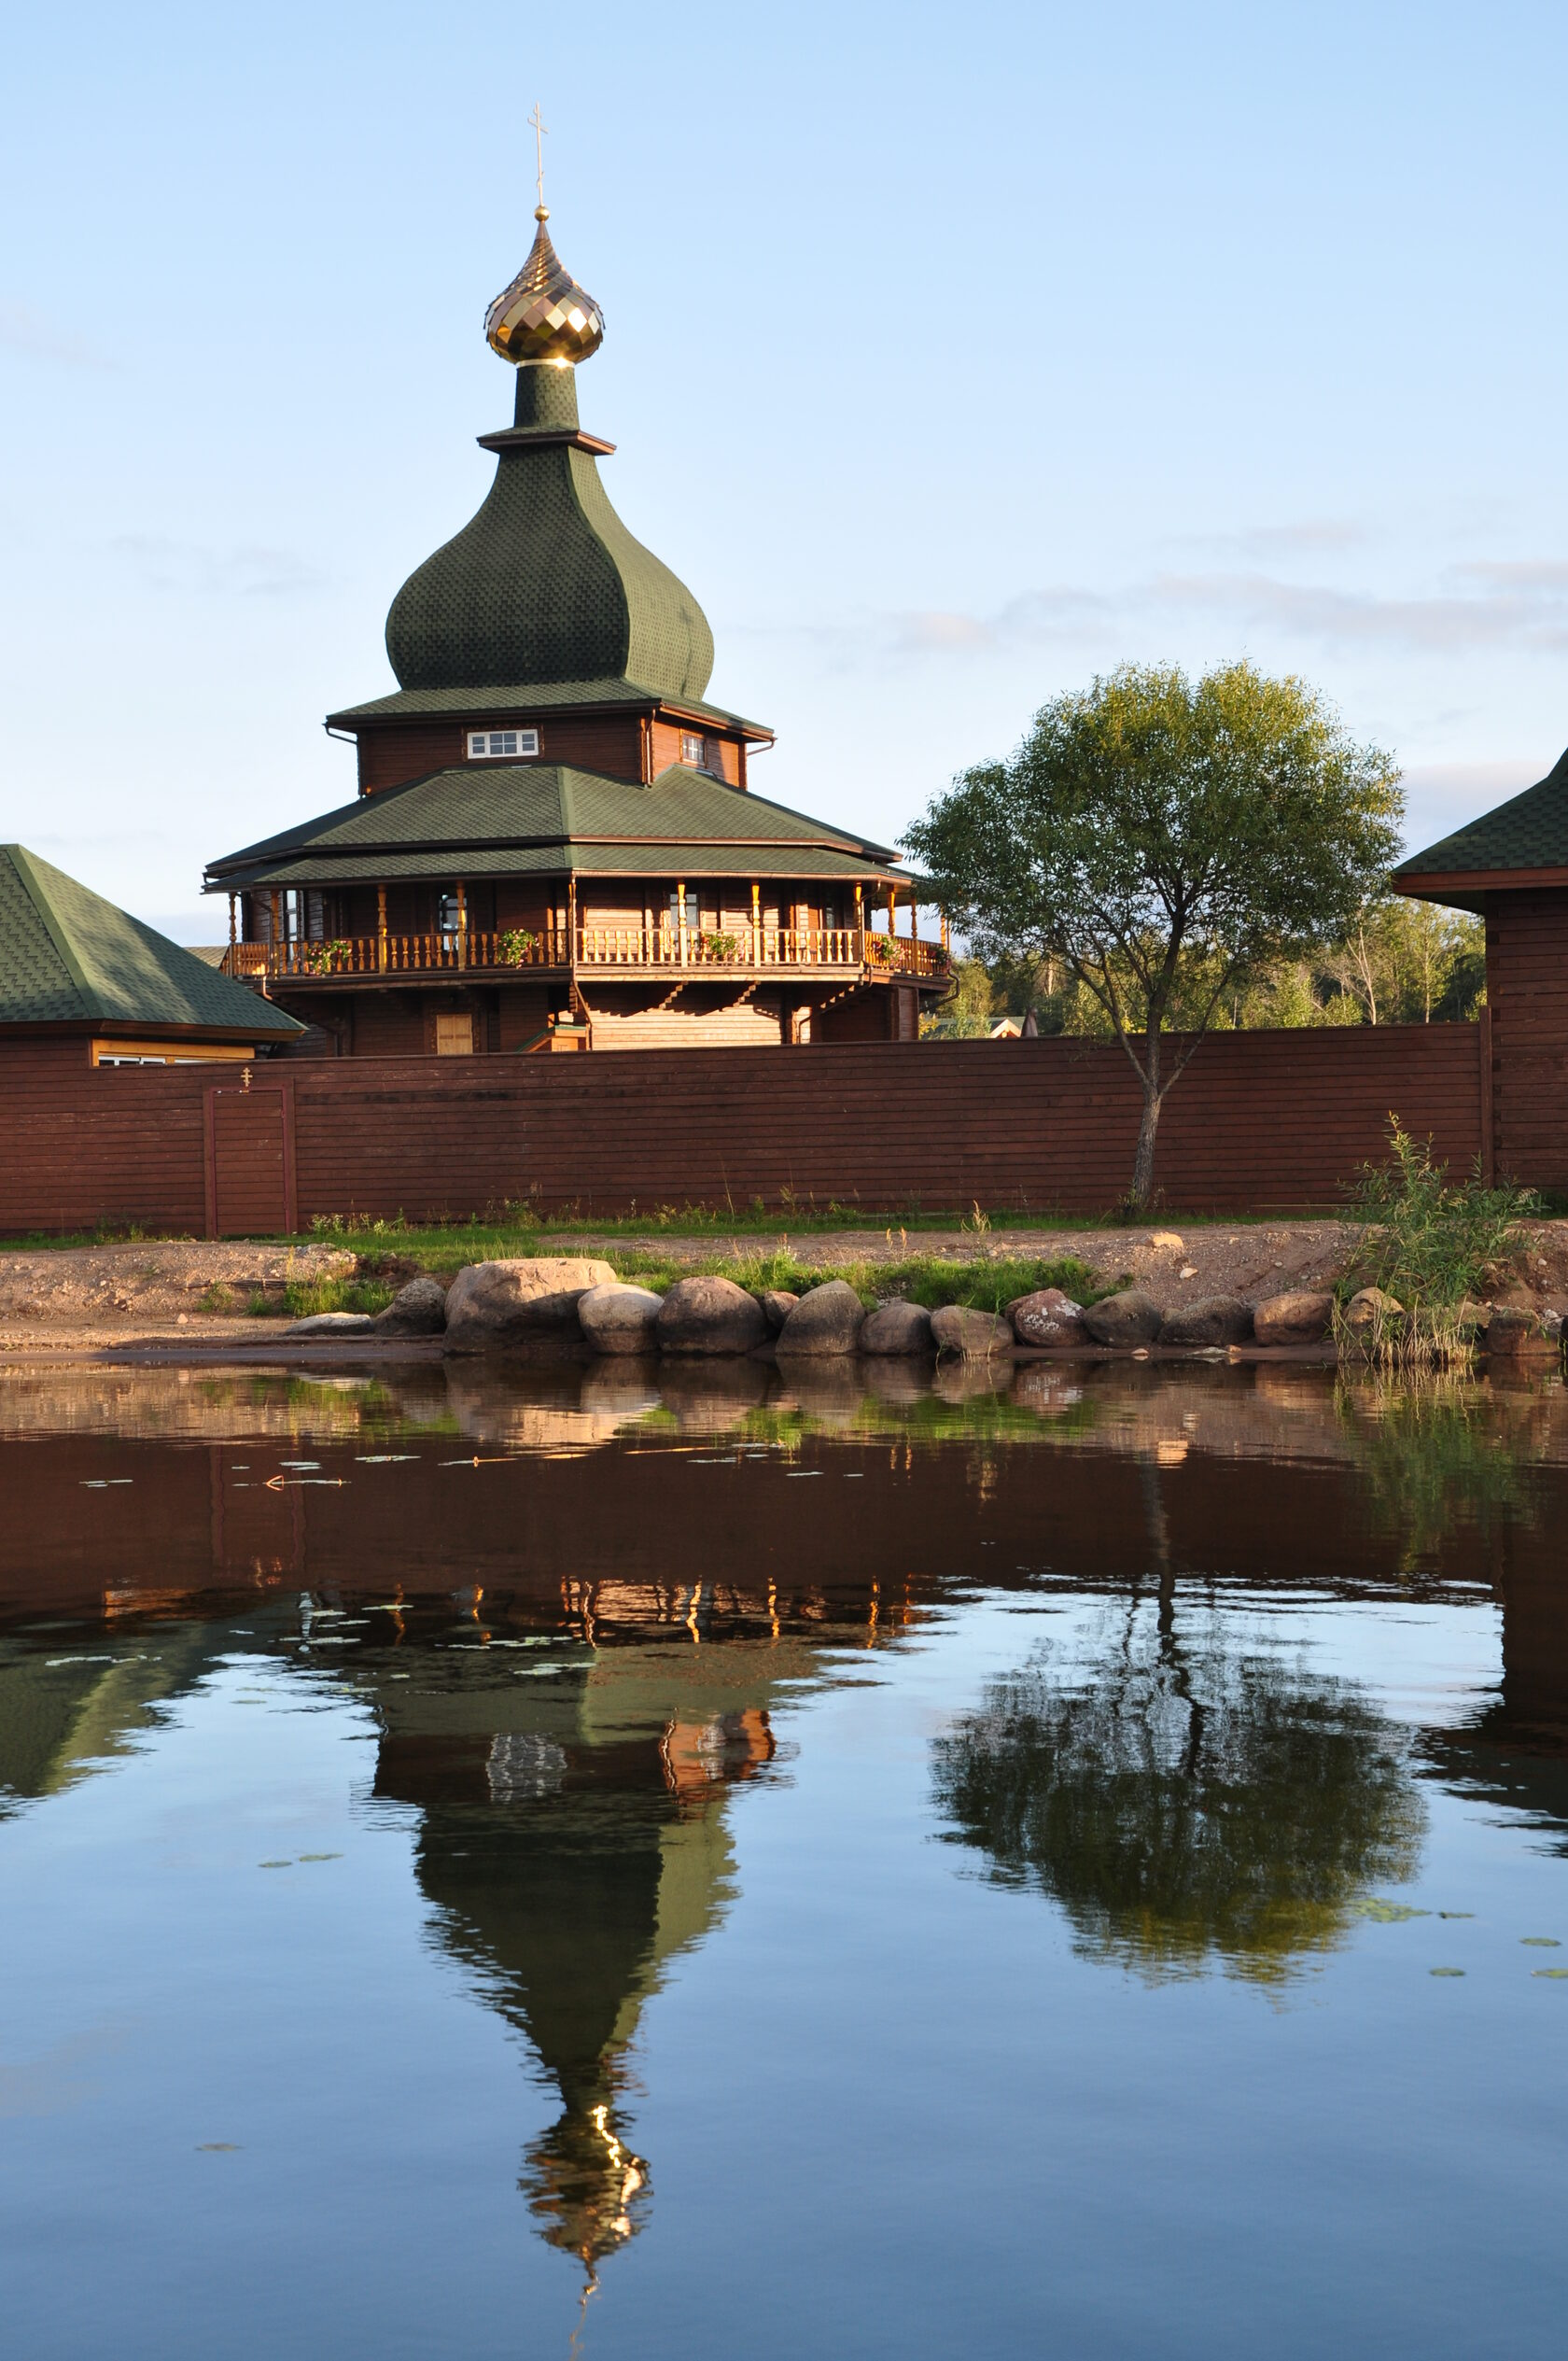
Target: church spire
{"x":544,"y":316}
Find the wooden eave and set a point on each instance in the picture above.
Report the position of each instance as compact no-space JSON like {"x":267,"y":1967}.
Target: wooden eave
{"x":139,"y":1029}
{"x":1466,"y":889}
{"x":750,"y":733}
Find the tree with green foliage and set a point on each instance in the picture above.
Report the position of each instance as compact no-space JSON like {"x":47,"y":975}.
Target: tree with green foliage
{"x":1164,"y":839}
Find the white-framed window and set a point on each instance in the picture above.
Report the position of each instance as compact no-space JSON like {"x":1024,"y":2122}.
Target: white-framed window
{"x":502,"y":746}
{"x":693,"y":750}
{"x":690,"y":915}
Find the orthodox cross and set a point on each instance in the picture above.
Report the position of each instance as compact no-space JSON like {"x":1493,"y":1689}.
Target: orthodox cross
{"x":541,"y":132}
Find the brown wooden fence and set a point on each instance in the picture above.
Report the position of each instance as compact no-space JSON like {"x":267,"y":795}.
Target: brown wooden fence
{"x":1273,"y":1121}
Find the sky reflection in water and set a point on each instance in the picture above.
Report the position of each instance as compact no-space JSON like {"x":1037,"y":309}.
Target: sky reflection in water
{"x":493,"y":1862}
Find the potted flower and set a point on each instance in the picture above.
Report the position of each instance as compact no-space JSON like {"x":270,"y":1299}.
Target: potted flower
{"x":325,"y":959}
{"x":516,"y":946}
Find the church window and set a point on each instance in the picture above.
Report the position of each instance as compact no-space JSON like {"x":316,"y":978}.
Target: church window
{"x":502,"y":746}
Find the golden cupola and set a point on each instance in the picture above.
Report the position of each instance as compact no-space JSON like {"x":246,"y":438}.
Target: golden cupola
{"x":544,"y":316}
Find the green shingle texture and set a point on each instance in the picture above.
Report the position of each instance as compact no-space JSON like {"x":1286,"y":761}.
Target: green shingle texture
{"x":601,"y":860}
{"x":545,"y":583}
{"x":507,"y":818}
{"x":498,"y":701}
{"x":1529,"y":832}
{"x":66,"y":955}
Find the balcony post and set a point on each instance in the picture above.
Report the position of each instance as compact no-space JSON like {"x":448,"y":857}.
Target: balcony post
{"x":680,"y":908}
{"x":381,"y":929}
{"x":756,"y":923}
{"x":462,"y":924}
{"x":233,"y":937}
{"x":860,"y":924}
{"x":572,"y":945}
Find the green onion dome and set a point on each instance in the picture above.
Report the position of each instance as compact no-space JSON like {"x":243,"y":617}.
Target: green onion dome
{"x":545,"y":585}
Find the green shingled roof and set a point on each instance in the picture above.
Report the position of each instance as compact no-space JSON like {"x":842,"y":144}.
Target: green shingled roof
{"x":67,"y":956}
{"x":515,"y":697}
{"x":506,"y":819}
{"x":1528,"y":832}
{"x":673,"y":860}
{"x":545,"y":583}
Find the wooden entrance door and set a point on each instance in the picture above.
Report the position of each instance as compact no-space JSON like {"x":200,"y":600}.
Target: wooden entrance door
{"x":250,"y":1162}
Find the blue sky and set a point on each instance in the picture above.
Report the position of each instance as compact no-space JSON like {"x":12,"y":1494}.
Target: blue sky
{"x":953,"y":354}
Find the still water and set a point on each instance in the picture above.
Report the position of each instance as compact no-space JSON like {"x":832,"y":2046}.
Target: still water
{"x":510,"y":1865}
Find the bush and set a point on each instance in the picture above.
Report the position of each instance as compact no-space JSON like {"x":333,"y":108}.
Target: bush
{"x":1434,"y":1246}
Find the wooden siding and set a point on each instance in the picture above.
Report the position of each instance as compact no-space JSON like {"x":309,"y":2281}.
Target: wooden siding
{"x":1527,"y":997}
{"x":387,"y":757}
{"x":1269,"y":1120}
{"x":666,"y":747}
{"x":610,"y":743}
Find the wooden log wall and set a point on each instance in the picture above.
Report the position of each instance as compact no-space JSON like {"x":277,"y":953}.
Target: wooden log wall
{"x":1271,"y":1121}
{"x":1527,"y":999}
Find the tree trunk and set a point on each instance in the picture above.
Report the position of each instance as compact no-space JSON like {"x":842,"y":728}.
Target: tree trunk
{"x":1144,"y":1162}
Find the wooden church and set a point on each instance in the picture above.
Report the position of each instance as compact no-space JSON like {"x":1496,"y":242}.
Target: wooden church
{"x":555,"y":843}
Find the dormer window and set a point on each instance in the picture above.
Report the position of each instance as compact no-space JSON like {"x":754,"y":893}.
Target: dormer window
{"x":693,"y":750}
{"x":502,"y":746}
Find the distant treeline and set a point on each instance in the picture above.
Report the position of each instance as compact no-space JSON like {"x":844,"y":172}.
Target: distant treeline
{"x":1404,"y":963}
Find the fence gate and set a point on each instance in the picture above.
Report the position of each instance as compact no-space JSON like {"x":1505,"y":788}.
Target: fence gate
{"x":249,"y":1141}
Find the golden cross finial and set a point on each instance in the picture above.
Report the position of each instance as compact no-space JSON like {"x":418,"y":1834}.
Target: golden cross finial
{"x":541,"y":133}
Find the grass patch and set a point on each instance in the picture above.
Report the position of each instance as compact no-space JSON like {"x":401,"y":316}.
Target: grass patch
{"x":1434,"y":1246}
{"x":986,"y":1285}
{"x":301,"y":1298}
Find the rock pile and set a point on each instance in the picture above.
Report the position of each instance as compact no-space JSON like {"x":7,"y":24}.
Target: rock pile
{"x":562,"y":1304}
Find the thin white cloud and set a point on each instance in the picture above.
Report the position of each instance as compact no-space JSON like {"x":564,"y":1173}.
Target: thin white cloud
{"x":1516,"y":603}
{"x":24,"y":330}
{"x":247,"y":572}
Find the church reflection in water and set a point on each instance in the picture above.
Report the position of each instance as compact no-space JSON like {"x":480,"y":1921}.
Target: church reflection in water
{"x":568,"y":1744}
{"x":572,"y":1836}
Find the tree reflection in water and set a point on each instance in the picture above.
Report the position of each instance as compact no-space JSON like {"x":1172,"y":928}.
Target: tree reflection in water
{"x":1186,"y":1803}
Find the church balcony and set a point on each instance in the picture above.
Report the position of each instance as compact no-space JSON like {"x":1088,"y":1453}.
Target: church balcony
{"x":632,"y":952}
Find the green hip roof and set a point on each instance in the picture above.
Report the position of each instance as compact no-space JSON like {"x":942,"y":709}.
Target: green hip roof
{"x":68,"y":955}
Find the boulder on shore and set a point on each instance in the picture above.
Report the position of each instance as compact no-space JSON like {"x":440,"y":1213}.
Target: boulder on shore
{"x":417,"y":1310}
{"x":709,"y":1315}
{"x":1128,"y":1319}
{"x":975,"y":1336}
{"x":777,"y":1303}
{"x":322,"y":1323}
{"x":1370,"y":1309}
{"x":1048,"y":1316}
{"x":618,"y":1318}
{"x":898,"y":1330}
{"x":1214,"y":1319}
{"x":1302,"y":1316}
{"x":1513,"y":1334}
{"x":827,"y":1319}
{"x":493,"y":1305}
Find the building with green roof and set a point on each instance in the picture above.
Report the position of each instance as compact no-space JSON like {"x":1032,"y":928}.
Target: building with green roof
{"x":555,"y":842}
{"x":77,"y":970}
{"x":1511,"y":865}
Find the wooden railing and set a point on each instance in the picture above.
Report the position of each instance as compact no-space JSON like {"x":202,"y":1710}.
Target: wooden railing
{"x":744,"y":950}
